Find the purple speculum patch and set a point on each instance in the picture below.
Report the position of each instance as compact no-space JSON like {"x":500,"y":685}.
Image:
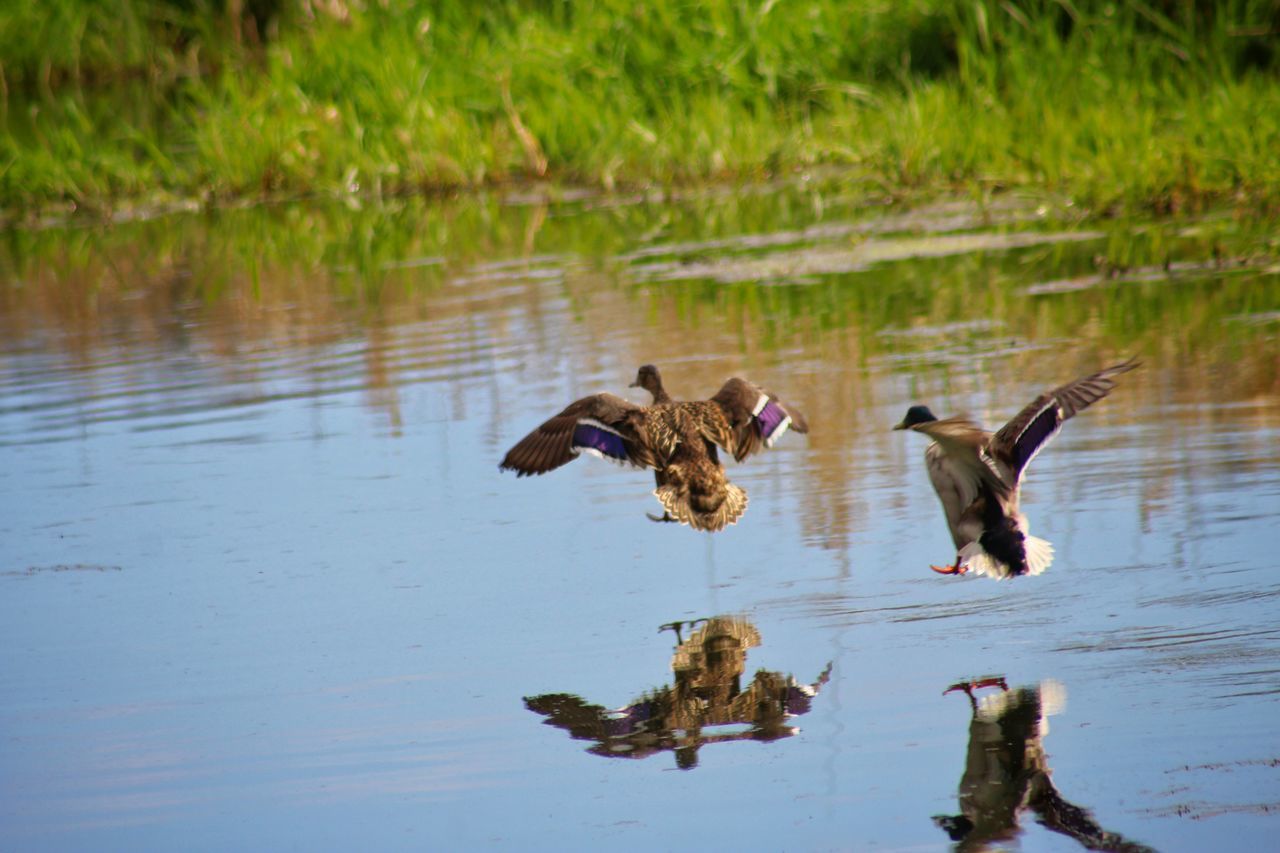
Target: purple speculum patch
{"x":770,"y":418}
{"x":593,"y":438}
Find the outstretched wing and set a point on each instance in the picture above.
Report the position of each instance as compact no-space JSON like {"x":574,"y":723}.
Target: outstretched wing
{"x":1018,"y":441}
{"x":571,"y":713}
{"x":602,"y":425}
{"x":756,"y":418}
{"x":959,"y":465}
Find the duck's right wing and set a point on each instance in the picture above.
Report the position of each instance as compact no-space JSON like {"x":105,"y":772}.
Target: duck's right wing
{"x":958,"y":462}
{"x":602,"y":425}
{"x":955,"y":491}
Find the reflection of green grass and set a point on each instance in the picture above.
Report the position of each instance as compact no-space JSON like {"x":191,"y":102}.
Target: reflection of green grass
{"x":328,"y":260}
{"x":1162,"y":104}
{"x":954,"y":303}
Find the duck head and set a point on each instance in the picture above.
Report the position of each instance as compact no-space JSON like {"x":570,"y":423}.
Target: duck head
{"x":648,"y":379}
{"x":916,"y":415}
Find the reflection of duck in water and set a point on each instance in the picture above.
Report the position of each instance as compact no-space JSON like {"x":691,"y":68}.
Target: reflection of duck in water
{"x":707,"y":692}
{"x":1007,"y":772}
{"x":679,"y":440}
{"x":978,"y":475}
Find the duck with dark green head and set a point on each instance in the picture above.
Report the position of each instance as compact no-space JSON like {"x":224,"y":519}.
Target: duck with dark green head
{"x":978,"y":475}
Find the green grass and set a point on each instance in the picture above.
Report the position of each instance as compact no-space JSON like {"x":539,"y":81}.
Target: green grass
{"x":1167,"y":105}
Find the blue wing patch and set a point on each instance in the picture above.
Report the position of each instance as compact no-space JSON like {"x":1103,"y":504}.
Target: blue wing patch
{"x":598,"y":440}
{"x":1043,"y":427}
{"x":772,"y":422}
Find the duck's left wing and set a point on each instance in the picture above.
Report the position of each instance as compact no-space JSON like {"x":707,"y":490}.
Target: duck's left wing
{"x":756,"y":418}
{"x":1018,"y":441}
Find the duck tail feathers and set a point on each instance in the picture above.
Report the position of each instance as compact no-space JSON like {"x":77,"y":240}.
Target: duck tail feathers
{"x":676,"y":502}
{"x":1039,"y":555}
{"x":977,"y":561}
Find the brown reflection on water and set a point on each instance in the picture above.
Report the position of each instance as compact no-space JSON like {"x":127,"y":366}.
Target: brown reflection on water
{"x":1006,"y":773}
{"x":706,"y":693}
{"x":563,"y":300}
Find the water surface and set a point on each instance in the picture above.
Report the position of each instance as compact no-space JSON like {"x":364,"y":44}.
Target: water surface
{"x":264,"y":586}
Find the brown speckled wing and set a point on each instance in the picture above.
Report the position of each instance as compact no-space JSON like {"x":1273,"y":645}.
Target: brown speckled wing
{"x":602,"y":425}
{"x":755,"y":417}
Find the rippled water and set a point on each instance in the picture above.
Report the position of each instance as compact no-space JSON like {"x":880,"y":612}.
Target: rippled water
{"x":264,"y":586}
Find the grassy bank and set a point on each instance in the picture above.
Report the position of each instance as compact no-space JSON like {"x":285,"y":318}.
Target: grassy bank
{"x":1160,"y":105}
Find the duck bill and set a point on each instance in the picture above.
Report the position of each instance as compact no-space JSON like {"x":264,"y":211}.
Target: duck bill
{"x":902,"y":425}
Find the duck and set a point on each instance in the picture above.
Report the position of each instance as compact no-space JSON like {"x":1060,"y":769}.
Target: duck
{"x":978,"y":475}
{"x":679,"y":440}
{"x":650,"y":379}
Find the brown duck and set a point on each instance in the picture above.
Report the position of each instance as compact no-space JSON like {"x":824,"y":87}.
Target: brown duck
{"x":678,"y":440}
